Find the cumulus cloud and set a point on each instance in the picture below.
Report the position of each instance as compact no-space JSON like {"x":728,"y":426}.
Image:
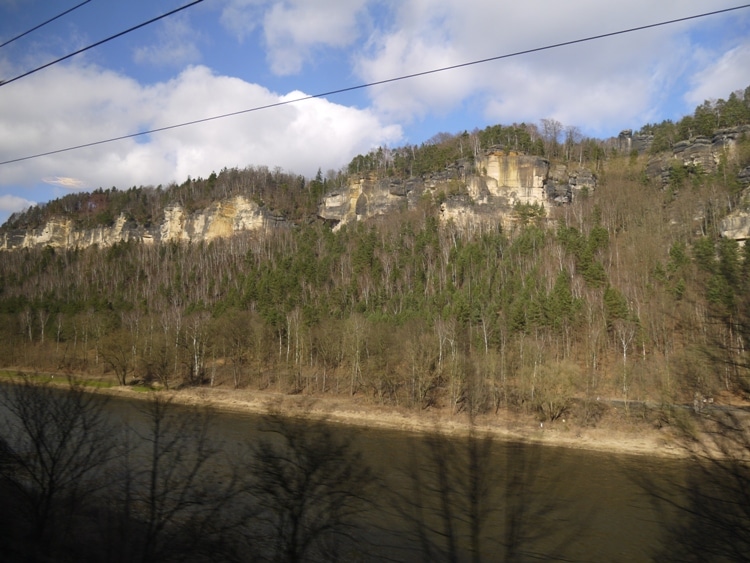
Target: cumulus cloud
{"x":617,"y":81}
{"x":98,"y":104}
{"x":402,"y":53}
{"x":294,"y":28}
{"x":601,"y":83}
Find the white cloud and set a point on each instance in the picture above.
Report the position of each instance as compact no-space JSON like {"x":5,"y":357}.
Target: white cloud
{"x":339,"y":131}
{"x":721,"y":76}
{"x":620,"y":81}
{"x":71,"y":105}
{"x":401,"y":54}
{"x":64,"y":182}
{"x":294,"y":30}
{"x":12,"y":203}
{"x":598,"y":84}
{"x":177,"y":45}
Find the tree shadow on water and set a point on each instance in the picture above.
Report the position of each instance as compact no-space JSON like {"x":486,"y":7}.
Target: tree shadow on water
{"x":473,"y":498}
{"x":706,"y":509}
{"x":308,"y":488}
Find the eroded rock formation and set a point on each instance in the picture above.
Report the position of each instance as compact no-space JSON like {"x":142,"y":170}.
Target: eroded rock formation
{"x":628,"y":142}
{"x":221,"y":219}
{"x":486,"y":192}
{"x":699,"y":153}
{"x":736,"y":225}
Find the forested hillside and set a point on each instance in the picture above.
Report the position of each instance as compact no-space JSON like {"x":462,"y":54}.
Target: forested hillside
{"x":628,"y":292}
{"x":710,"y":116}
{"x":276,"y":190}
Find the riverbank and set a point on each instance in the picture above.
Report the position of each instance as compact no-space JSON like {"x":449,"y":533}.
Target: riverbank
{"x":614,"y":433}
{"x":634,"y":438}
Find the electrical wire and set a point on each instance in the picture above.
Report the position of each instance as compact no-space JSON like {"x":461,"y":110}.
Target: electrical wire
{"x":102,"y":42}
{"x":43,"y":24}
{"x":371,"y":84}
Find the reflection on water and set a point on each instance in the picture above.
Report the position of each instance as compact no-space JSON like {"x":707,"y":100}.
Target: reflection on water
{"x":442,"y":498}
{"x":585,"y":506}
{"x":572,"y":504}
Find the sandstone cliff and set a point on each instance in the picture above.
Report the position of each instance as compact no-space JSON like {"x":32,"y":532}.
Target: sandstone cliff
{"x":736,"y":225}
{"x":627,"y":142}
{"x":702,"y":155}
{"x":699,"y":153}
{"x":486,"y":192}
{"x":221,"y":219}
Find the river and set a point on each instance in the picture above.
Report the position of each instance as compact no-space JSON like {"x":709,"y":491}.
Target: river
{"x":564,"y":504}
{"x":502,"y":500}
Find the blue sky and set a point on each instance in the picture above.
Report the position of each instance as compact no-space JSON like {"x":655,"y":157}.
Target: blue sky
{"x":223,"y":56}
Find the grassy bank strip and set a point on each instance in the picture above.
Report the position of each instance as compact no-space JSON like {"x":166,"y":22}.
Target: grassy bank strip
{"x":63,"y":379}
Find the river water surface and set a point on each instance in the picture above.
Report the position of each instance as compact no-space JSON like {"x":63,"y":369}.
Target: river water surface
{"x":564,"y":504}
{"x":532,"y":502}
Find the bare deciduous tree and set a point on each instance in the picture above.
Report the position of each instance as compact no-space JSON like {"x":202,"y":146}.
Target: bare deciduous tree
{"x":551,"y":130}
{"x":117,"y":352}
{"x":56,"y":444}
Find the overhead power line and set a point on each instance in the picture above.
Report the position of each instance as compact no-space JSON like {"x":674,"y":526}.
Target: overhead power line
{"x":44,"y":23}
{"x":102,"y":42}
{"x":376,"y":83}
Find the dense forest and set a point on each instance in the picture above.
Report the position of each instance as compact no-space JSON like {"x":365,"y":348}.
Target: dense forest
{"x":628,"y":292}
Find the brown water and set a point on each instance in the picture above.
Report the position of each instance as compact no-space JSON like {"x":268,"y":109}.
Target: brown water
{"x":536,"y":502}
{"x":565,"y":504}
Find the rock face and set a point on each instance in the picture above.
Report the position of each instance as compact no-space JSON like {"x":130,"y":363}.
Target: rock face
{"x":516,"y":176}
{"x":221,"y":219}
{"x":744,"y":176}
{"x":706,"y":154}
{"x":500,"y":181}
{"x":471,"y":195}
{"x":627,"y":142}
{"x":699,"y":153}
{"x":367,"y":197}
{"x":61,"y":233}
{"x":736,"y":225}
